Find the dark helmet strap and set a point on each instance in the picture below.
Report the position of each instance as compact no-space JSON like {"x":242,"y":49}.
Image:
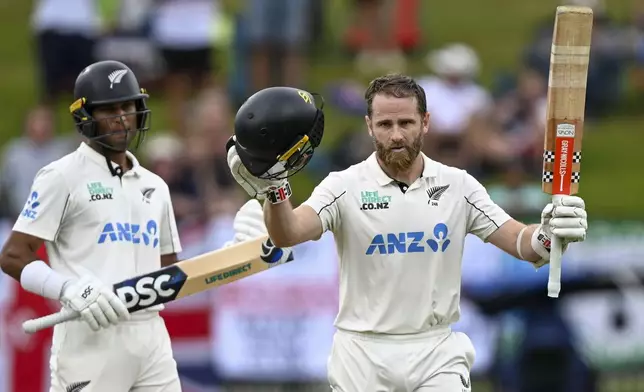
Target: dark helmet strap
{"x":115,"y":171}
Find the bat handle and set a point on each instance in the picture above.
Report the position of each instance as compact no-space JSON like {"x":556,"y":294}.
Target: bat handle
{"x":35,"y":325}
{"x":556,"y":250}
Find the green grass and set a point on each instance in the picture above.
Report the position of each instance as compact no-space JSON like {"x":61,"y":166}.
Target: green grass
{"x":611,"y":169}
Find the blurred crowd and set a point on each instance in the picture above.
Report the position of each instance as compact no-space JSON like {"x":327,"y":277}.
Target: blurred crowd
{"x":204,"y":57}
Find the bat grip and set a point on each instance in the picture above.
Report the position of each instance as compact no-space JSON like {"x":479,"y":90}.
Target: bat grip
{"x":556,"y":251}
{"x":35,"y":325}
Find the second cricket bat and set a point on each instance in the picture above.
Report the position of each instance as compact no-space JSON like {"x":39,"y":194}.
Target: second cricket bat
{"x":569,"y":58}
{"x":185,"y":278}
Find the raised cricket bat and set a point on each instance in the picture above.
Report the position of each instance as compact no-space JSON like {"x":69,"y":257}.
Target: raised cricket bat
{"x":185,"y":278}
{"x":569,"y":59}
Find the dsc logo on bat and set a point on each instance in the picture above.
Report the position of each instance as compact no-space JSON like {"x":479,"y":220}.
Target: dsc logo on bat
{"x":152,"y":289}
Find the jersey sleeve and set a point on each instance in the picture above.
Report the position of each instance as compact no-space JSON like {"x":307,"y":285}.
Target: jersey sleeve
{"x":325,"y":201}
{"x":46,"y":204}
{"x":483,"y":215}
{"x":169,"y":234}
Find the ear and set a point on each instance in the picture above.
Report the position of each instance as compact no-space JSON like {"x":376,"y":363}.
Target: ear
{"x":426,"y":122}
{"x":368,"y":121}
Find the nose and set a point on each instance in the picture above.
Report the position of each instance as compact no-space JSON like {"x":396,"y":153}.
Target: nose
{"x":121,"y":117}
{"x":397,"y":134}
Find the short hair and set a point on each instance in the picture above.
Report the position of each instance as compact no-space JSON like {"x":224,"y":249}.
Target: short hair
{"x":396,"y":85}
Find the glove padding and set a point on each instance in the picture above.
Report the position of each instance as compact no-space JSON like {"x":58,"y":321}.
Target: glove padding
{"x":255,"y":187}
{"x":566,"y":220}
{"x":248,"y":223}
{"x":97,"y":304}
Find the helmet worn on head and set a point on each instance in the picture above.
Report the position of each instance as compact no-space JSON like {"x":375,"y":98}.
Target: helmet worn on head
{"x":276,"y":131}
{"x":107,"y":83}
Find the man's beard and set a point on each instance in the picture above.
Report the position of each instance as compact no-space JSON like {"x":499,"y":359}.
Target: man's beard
{"x":399,"y":161}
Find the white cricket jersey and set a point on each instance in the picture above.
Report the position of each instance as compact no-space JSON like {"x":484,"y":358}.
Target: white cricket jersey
{"x":92,"y":221}
{"x":400,"y":252}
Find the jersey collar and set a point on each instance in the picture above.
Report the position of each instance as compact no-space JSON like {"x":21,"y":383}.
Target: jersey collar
{"x":430,"y":169}
{"x":95,"y":156}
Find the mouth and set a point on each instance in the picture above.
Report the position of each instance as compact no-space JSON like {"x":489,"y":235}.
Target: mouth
{"x":397,"y":149}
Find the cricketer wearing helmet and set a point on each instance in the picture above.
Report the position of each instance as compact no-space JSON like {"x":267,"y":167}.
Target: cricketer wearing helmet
{"x":399,"y":219}
{"x":103,"y":219}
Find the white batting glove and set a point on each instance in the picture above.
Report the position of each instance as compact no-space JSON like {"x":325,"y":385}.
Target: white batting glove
{"x":276,"y":191}
{"x":568,"y":221}
{"x":248,"y":223}
{"x":97,"y":304}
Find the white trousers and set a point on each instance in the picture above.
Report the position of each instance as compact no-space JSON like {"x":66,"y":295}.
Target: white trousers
{"x":436,"y":361}
{"x":132,"y":356}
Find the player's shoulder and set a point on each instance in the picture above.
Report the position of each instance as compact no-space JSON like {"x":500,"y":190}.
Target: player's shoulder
{"x":353,"y":174}
{"x":152,"y":179}
{"x":452,"y":175}
{"x":64,"y":167}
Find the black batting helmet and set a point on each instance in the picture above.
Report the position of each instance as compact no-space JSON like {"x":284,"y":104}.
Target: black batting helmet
{"x":276,"y":131}
{"x":106,"y":83}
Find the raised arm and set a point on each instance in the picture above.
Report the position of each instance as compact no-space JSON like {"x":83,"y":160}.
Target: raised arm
{"x":489,"y":222}
{"x":288,"y":226}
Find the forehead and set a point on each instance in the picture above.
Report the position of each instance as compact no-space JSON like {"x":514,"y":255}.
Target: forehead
{"x":385,"y":105}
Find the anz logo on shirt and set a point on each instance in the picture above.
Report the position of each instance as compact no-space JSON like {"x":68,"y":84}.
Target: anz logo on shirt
{"x":30,"y":211}
{"x":410,"y":242}
{"x":148,"y":235}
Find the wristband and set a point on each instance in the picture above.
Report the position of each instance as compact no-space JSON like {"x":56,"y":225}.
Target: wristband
{"x":541,"y":245}
{"x":519,"y":238}
{"x":278,"y":194}
{"x":38,"y":278}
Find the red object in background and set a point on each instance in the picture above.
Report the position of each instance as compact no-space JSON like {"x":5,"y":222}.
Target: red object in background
{"x":407,"y":29}
{"x":27,"y":354}
{"x":407,"y":34}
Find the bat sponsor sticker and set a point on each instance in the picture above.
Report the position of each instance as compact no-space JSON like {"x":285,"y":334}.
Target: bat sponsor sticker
{"x":564,"y":149}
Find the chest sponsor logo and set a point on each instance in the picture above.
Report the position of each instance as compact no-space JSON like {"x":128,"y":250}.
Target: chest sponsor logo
{"x":373,"y":201}
{"x":97,"y":191}
{"x":434,"y":194}
{"x":147,"y":235}
{"x":410,"y":242}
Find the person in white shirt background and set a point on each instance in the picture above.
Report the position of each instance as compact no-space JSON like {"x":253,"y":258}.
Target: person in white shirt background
{"x":399,"y":220}
{"x":103,"y":218}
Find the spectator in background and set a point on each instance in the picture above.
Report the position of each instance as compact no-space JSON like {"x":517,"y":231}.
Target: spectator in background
{"x":372,"y":28}
{"x":453,"y":99}
{"x":65,"y":32}
{"x":613,"y":47}
{"x":165,"y":155}
{"x":184,"y":33}
{"x":25,"y":156}
{"x":210,"y":127}
{"x":638,"y":30}
{"x":278,"y":30}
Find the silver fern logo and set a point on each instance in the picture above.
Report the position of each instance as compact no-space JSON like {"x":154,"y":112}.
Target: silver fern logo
{"x":434,"y":193}
{"x":116,"y":76}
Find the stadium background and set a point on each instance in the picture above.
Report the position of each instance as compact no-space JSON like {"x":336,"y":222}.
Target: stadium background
{"x":273,"y":332}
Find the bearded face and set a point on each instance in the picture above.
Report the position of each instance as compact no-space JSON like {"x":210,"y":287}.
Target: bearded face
{"x":397,"y":130}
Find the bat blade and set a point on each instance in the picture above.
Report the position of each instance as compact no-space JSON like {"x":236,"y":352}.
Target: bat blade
{"x":186,"y":278}
{"x":570,"y":55}
{"x":569,"y":59}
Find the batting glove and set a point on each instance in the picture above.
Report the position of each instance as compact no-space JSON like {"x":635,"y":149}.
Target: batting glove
{"x":97,"y":304}
{"x":249,"y":224}
{"x":566,"y":220}
{"x":275,"y":191}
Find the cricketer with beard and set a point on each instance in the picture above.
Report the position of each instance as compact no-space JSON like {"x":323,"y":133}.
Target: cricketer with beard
{"x":400,"y":220}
